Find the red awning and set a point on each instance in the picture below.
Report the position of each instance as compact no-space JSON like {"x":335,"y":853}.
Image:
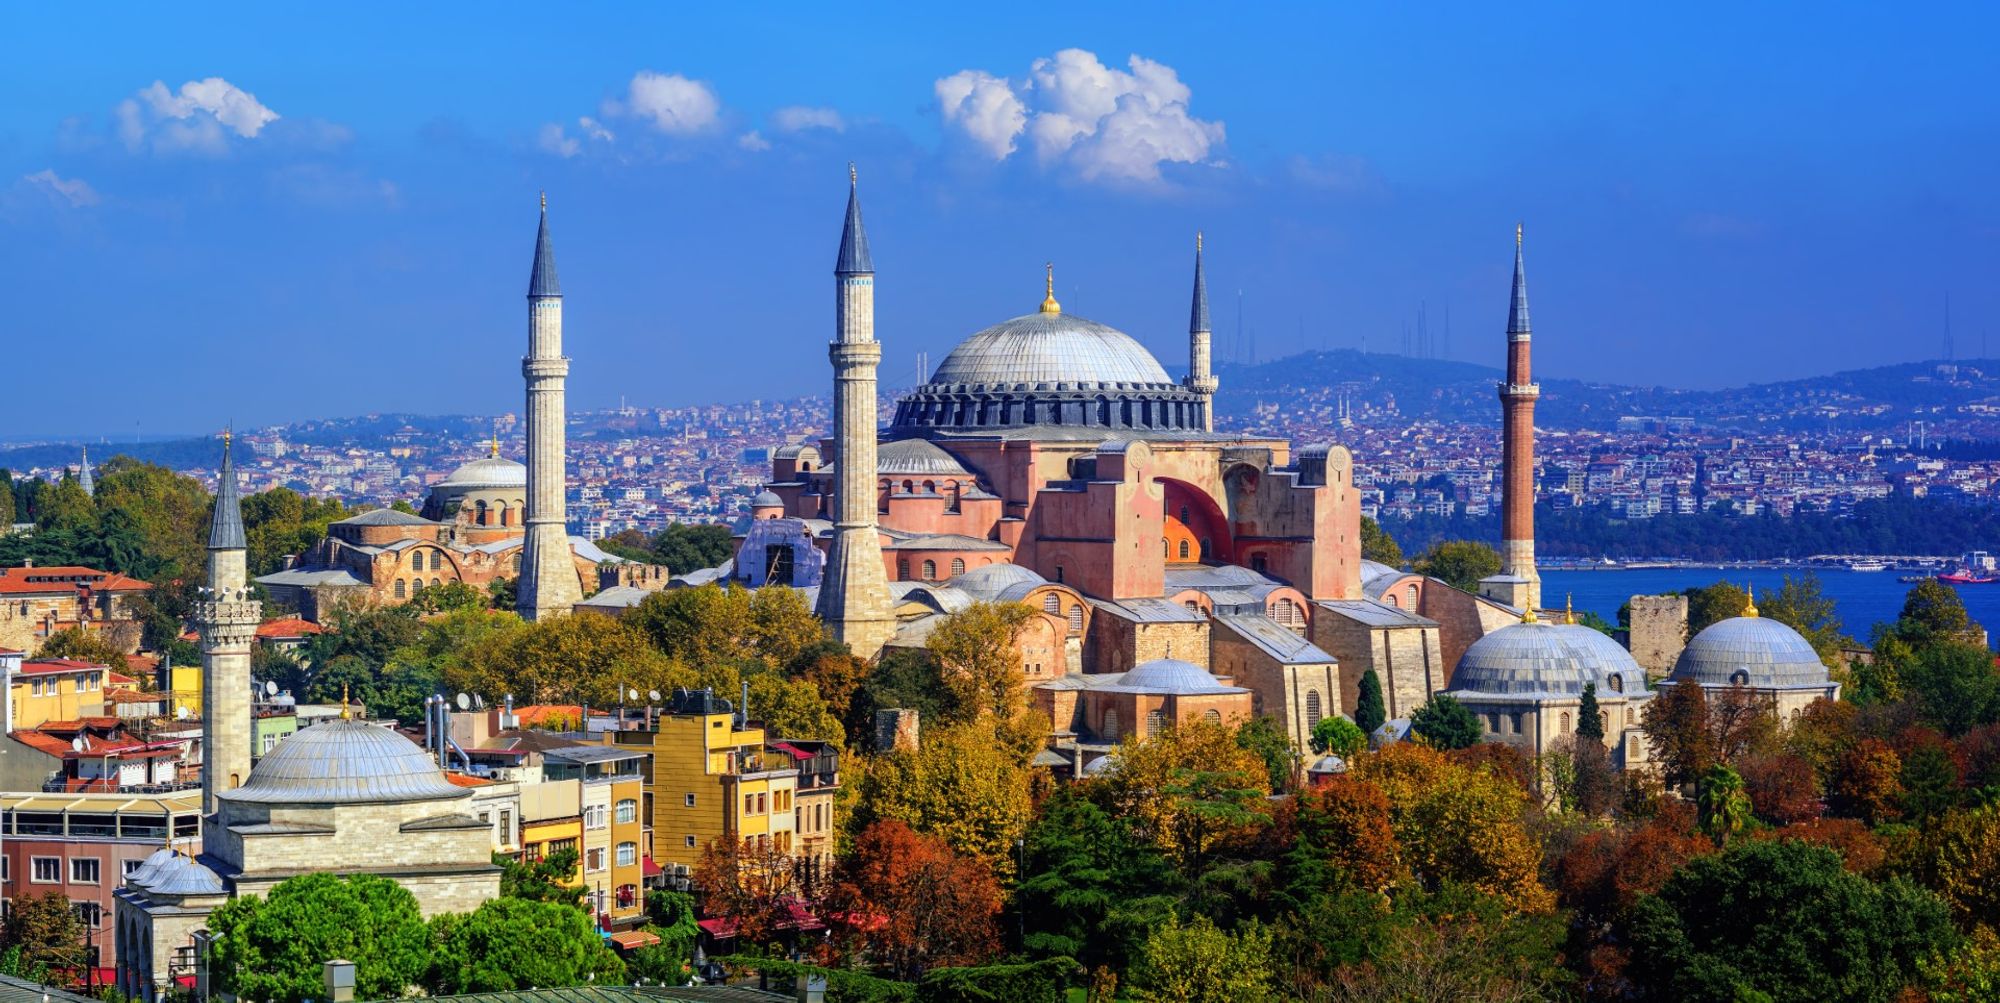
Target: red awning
{"x":650,"y":869}
{"x":628,"y":940}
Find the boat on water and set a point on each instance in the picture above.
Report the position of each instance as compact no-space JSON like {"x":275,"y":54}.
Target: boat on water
{"x":1964,"y":576}
{"x":1867,"y":566}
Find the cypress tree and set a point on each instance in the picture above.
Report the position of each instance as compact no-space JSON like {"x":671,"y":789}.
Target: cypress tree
{"x":1369,"y":711}
{"x":1589,"y":724}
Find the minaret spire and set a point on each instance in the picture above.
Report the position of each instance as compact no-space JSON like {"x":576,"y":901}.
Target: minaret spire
{"x":548,"y":584}
{"x":1201,"y":377}
{"x":1518,"y":584}
{"x":854,"y":593}
{"x":227,"y":619}
{"x":84,"y":478}
{"x":1517,"y":312}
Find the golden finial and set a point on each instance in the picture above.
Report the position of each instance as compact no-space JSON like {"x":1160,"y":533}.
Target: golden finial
{"x":1517,"y":235}
{"x":545,"y":201}
{"x":345,"y":714}
{"x":1750,"y":604}
{"x":1049,"y":304}
{"x":1569,"y":612}
{"x":496,"y":442}
{"x":1197,"y":242}
{"x":227,"y":434}
{"x":853,"y":179}
{"x":1528,"y":613}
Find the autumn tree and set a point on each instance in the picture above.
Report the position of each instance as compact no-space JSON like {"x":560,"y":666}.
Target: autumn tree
{"x":1868,"y":784}
{"x":792,"y":708}
{"x":977,"y":654}
{"x":1959,"y":858}
{"x":753,"y":886}
{"x":958,"y":785}
{"x":272,"y":947}
{"x":1459,"y":825}
{"x":83,"y":646}
{"x":585,"y":658}
{"x":1341,"y":838}
{"x":913,"y":903}
{"x":1860,"y":850}
{"x":1783,"y":788}
{"x":1369,"y":710}
{"x":1458,"y":563}
{"x":713,"y":624}
{"x":1194,"y":962}
{"x":1459,"y":945}
{"x":1677,"y":731}
{"x":1188,"y":789}
{"x":45,"y":929}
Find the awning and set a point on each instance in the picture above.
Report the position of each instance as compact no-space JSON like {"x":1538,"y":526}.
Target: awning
{"x":628,"y":940}
{"x":650,"y":869}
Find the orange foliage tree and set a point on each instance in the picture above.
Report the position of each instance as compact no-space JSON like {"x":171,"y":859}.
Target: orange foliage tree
{"x":755,"y":886}
{"x":1459,"y":825}
{"x":1342,"y":825}
{"x":911,"y":903}
{"x":1190,"y":789}
{"x":1783,"y":788}
{"x":1868,"y":782}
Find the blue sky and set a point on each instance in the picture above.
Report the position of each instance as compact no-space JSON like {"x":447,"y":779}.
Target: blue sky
{"x":272,"y":214}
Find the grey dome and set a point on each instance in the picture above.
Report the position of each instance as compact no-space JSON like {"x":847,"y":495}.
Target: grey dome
{"x":1545,"y":659}
{"x":488,"y":472}
{"x":181,"y":876}
{"x":1172,"y":676}
{"x":150,"y":867}
{"x":344,"y":762}
{"x":916,"y":456}
{"x":767,"y":499}
{"x":1752,"y":651}
{"x":990,"y":580}
{"x":1050,"y":347}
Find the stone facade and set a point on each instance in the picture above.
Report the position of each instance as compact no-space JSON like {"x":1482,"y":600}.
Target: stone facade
{"x":36,"y":602}
{"x":1658,"y":632}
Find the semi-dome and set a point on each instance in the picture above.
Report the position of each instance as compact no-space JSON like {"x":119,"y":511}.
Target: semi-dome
{"x":1170,"y":676}
{"x":1545,"y":659}
{"x":488,"y":472}
{"x":1050,"y":348}
{"x":1753,"y":651}
{"x":344,"y":762}
{"x":917,"y":456}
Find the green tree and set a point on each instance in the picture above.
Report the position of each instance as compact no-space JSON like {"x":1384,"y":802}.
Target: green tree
{"x":1722,"y":804}
{"x":1369,"y":711}
{"x":1458,"y":563}
{"x":544,"y":880}
{"x":1803,"y":605}
{"x":685,"y":547}
{"x":45,"y":929}
{"x":282,"y":522}
{"x":1379,"y":546}
{"x":1953,"y":686}
{"x":170,"y":510}
{"x":901,"y":678}
{"x":6,"y":497}
{"x":64,"y":506}
{"x":1784,"y":919}
{"x":83,"y":646}
{"x":1589,"y":721}
{"x":272,"y":947}
{"x":451,"y":597}
{"x":1339,"y":736}
{"x":510,"y":944}
{"x":792,"y":708}
{"x":1712,"y":604}
{"x":1195,"y":962}
{"x":1934,"y":609}
{"x":978,"y":657}
{"x":1266,"y":737}
{"x":1446,"y":724}
{"x":1091,"y":888}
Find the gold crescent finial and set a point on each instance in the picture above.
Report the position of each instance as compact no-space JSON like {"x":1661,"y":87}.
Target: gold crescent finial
{"x":1049,"y":304}
{"x":345,"y":714}
{"x":227,"y":434}
{"x":1197,"y":242}
{"x":1750,"y":605}
{"x":1569,"y":612}
{"x":496,"y":442}
{"x":853,"y":179}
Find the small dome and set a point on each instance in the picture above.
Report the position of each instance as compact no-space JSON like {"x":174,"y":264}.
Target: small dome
{"x":916,"y":456}
{"x":1546,"y":659}
{"x":767,"y":499}
{"x":181,"y":876}
{"x":1170,"y":675}
{"x":344,"y":762}
{"x":151,"y":867}
{"x":1752,"y":651}
{"x":488,"y":472}
{"x":1050,"y":348}
{"x":992,"y":579}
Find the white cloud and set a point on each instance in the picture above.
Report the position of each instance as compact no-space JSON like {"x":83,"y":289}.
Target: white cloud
{"x":74,"y":191}
{"x":984,"y":108}
{"x":797,"y":118}
{"x":595,"y":130}
{"x":199,"y":118}
{"x":672,"y":103}
{"x":554,"y":140}
{"x":753,"y":141}
{"x":1102,"y":123}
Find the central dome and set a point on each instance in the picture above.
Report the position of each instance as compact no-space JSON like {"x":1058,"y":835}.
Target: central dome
{"x":488,"y":472}
{"x":1050,"y":348}
{"x":344,"y":762}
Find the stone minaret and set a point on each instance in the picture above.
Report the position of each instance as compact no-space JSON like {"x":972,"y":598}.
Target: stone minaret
{"x":1201,"y":377}
{"x":854,"y":594}
{"x":84,"y":478}
{"x":227,"y":618}
{"x":1517,"y":405}
{"x":548,"y":585}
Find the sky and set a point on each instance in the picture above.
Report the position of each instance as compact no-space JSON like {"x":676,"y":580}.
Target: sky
{"x":268,"y":213}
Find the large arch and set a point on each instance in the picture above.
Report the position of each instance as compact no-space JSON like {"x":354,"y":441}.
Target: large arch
{"x":1204,"y":519}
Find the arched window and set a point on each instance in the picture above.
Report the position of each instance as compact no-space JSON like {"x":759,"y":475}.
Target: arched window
{"x":1603,"y":721}
{"x":1156,"y":722}
{"x":480,"y":508}
{"x":902,"y":569}
{"x":1412,"y":593}
{"x":1628,"y":715}
{"x":1184,"y":513}
{"x":1313,"y":709}
{"x":437,"y":559}
{"x":1184,"y":550}
{"x":1393,"y":604}
{"x":909,"y":488}
{"x":1258,"y":563}
{"x":1288,"y":614}
{"x":402,"y":590}
{"x":1616,"y":682}
{"x":930,"y":487}
{"x":1166,"y":547}
{"x":1192,"y":606}
{"x":417,"y":560}
{"x":1212,"y":716}
{"x":958,"y":565}
{"x":627,"y":810}
{"x":1565,"y":724}
{"x":436,"y":583}
{"x":1109,"y":728}
{"x":930,"y":570}
{"x":1739,"y":678}
{"x":1076,"y":618}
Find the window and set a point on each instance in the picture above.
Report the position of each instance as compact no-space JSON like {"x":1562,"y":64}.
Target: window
{"x":402,"y":590}
{"x":83,"y":871}
{"x":1212,"y":716}
{"x":437,"y":559}
{"x":47,"y":870}
{"x":270,"y":740}
{"x":930,"y":570}
{"x":1517,"y":724}
{"x":1110,"y":727}
{"x":690,"y":800}
{"x":1156,"y":722}
{"x":690,"y":842}
{"x":595,"y":816}
{"x":1052,"y":604}
{"x":7,"y":869}
{"x":958,"y":565}
{"x":595,"y":861}
{"x":1412,"y":593}
{"x":1184,"y":550}
{"x":1565,"y":724}
{"x":1313,"y":710}
{"x":902,"y":569}
{"x":1616,"y":682}
{"x":628,"y":810}
{"x":628,"y":854}
{"x":1076,"y":618}
{"x":417,"y":561}
{"x":1493,"y":722}
{"x":1258,"y":563}
{"x":90,"y":913}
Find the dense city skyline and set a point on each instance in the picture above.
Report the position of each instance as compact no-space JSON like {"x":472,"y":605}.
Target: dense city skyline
{"x":1707,"y":203}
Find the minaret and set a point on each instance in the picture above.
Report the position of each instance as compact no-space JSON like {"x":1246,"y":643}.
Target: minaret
{"x":1201,"y":377}
{"x":548,"y":584}
{"x":227,"y":619}
{"x":854,"y":594}
{"x":84,"y":479}
{"x":1517,"y":405}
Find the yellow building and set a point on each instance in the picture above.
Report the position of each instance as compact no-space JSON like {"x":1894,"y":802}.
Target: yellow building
{"x":184,"y":683}
{"x":55,"y":689}
{"x":552,"y":821}
{"x":711,"y":779}
{"x":612,"y":789}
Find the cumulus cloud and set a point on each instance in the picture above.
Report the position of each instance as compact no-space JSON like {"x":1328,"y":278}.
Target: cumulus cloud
{"x":798,"y":118}
{"x":199,"y":118}
{"x":672,"y":103}
{"x":1105,"y":124}
{"x":753,"y":141}
{"x":74,"y":192}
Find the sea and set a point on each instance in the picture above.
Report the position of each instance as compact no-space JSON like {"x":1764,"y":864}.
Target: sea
{"x":1861,"y":598}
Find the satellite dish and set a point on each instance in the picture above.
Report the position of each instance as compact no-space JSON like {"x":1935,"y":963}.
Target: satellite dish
{"x":270,"y":687}
{"x":653,"y":695}
{"x":464,"y":702}
{"x":181,"y":713}
{"x":631,"y":694}
{"x":76,"y":743}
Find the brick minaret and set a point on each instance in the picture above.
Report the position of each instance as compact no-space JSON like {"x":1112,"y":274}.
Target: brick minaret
{"x":548,"y":584}
{"x":227,"y":619}
{"x":854,"y":595}
{"x":1517,"y":405}
{"x":1201,"y":377}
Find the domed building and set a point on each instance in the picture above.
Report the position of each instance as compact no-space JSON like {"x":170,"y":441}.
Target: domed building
{"x":483,"y":501}
{"x":1525,"y":682}
{"x":342,"y":797}
{"x":1762,"y":656}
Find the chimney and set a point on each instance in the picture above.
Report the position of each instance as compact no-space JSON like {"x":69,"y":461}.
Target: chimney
{"x":743,"y":709}
{"x":811,"y":989}
{"x":339,"y":981}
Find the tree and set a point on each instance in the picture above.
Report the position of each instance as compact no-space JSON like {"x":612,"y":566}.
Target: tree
{"x":1339,"y":736}
{"x":913,"y":902}
{"x":1194,"y":962}
{"x":1379,"y":546}
{"x":64,"y":506}
{"x":7,"y":498}
{"x":1342,"y":839}
{"x":1783,"y":789}
{"x":1090,"y":887}
{"x":1803,"y":605}
{"x":1589,"y":720}
{"x":1959,"y":858}
{"x":977,"y":657}
{"x":281,"y":522}
{"x":685,"y":547}
{"x":1677,"y":731}
{"x":544,"y":880}
{"x":1723,"y":806}
{"x":1459,"y":825}
{"x":272,"y":948}
{"x":1868,"y":784}
{"x":792,"y":708}
{"x":901,"y":678}
{"x":569,"y":659}
{"x":1459,"y":945}
{"x":1785,"y":920}
{"x":451,"y":597}
{"x":1934,"y":610}
{"x":1188,"y":789}
{"x":1712,"y":604}
{"x":1458,"y":563}
{"x":754,"y":886}
{"x":1264,"y":736}
{"x":1445,"y":723}
{"x":83,"y":646}
{"x":45,"y":929}
{"x":960,"y":786}
{"x":510,"y":944}
{"x":169,"y":510}
{"x":1369,"y":711}
{"x":1953,"y":685}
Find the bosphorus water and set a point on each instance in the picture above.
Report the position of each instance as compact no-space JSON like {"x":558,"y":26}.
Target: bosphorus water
{"x":1861,"y":597}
